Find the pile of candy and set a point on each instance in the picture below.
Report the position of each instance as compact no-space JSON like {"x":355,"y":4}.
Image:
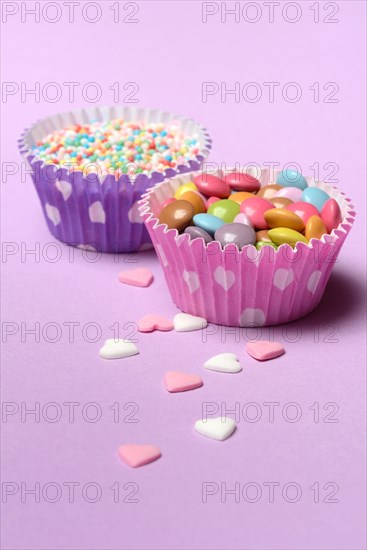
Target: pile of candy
{"x":114,"y":145}
{"x":236,"y":209}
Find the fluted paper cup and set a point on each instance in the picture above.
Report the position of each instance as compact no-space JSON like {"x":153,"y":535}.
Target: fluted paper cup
{"x":96,"y":210}
{"x":249,"y":287}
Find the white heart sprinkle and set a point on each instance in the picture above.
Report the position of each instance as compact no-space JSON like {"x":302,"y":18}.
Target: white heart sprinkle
{"x":117,"y":349}
{"x":183,"y":322}
{"x":192,"y":280}
{"x":219,"y":428}
{"x":224,"y":278}
{"x":253,"y":317}
{"x":134,"y":214}
{"x":65,"y":189}
{"x":283,"y":278}
{"x":53,"y":214}
{"x":96,"y":213}
{"x":313,"y":281}
{"x":224,"y":362}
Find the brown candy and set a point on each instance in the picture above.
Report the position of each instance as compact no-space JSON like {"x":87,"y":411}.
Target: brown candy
{"x":268,"y":191}
{"x":315,"y":228}
{"x":263,"y":236}
{"x":281,"y":217}
{"x":177,"y":215}
{"x":280,"y":202}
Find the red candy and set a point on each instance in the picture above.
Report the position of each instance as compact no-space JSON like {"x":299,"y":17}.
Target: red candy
{"x":242,"y":182}
{"x":255,"y":209}
{"x":331,"y":215}
{"x":211,"y":185}
{"x":304,"y":210}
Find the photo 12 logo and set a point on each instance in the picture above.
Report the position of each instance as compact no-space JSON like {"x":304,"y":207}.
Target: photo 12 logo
{"x":91,"y":492}
{"x":70,"y":12}
{"x":269,"y":92}
{"x":269,"y":12}
{"x":72,"y":92}
{"x":252,"y":492}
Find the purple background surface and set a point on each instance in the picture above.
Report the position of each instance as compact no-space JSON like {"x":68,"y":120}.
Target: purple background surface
{"x":169,"y":53}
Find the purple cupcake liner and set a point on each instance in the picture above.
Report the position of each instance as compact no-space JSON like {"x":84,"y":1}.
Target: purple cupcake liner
{"x":98,"y":211}
{"x":248,"y":287}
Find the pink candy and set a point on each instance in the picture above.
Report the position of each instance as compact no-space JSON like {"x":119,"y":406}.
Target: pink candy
{"x":255,"y":209}
{"x":138,"y":455}
{"x":331,"y":214}
{"x":304,"y":210}
{"x":140,"y":276}
{"x":212,"y":186}
{"x":243,"y":218}
{"x":210,"y":201}
{"x":242,"y":182}
{"x":262,"y":350}
{"x":292,"y":193}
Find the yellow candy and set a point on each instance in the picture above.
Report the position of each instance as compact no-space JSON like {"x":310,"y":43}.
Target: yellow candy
{"x":190,"y":186}
{"x":284,"y":235}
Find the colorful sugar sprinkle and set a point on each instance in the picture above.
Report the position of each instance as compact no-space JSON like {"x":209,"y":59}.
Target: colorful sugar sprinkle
{"x":118,"y":147}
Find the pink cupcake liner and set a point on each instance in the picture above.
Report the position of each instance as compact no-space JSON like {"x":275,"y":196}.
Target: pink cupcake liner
{"x":96,"y":211}
{"x":248,"y":287}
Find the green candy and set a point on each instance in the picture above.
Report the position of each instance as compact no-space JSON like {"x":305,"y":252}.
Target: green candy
{"x":225,"y":210}
{"x":259,"y":245}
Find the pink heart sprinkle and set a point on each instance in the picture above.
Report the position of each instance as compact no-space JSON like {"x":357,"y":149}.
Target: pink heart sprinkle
{"x":180,"y":381}
{"x":138,"y":455}
{"x":263,"y":350}
{"x":136,"y":277}
{"x":151,"y":322}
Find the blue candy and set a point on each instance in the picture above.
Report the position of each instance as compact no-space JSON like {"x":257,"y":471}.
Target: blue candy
{"x":208,"y":222}
{"x":291,"y":178}
{"x":315,"y":196}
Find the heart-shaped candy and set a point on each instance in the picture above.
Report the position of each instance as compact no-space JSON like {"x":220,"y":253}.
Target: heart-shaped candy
{"x":224,"y":362}
{"x":181,"y":381}
{"x":263,"y":350}
{"x":183,"y":322}
{"x":136,"y":277}
{"x":117,"y":349}
{"x":219,"y":428}
{"x":138,"y":455}
{"x":151,"y":322}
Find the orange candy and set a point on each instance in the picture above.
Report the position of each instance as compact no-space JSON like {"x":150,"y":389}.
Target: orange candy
{"x":315,"y":228}
{"x":240,"y":196}
{"x":197,"y":201}
{"x":280,"y":217}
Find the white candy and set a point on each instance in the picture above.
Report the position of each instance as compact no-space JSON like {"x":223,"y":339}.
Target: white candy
{"x":117,"y":349}
{"x":219,"y":428}
{"x":183,"y":322}
{"x":224,"y":362}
